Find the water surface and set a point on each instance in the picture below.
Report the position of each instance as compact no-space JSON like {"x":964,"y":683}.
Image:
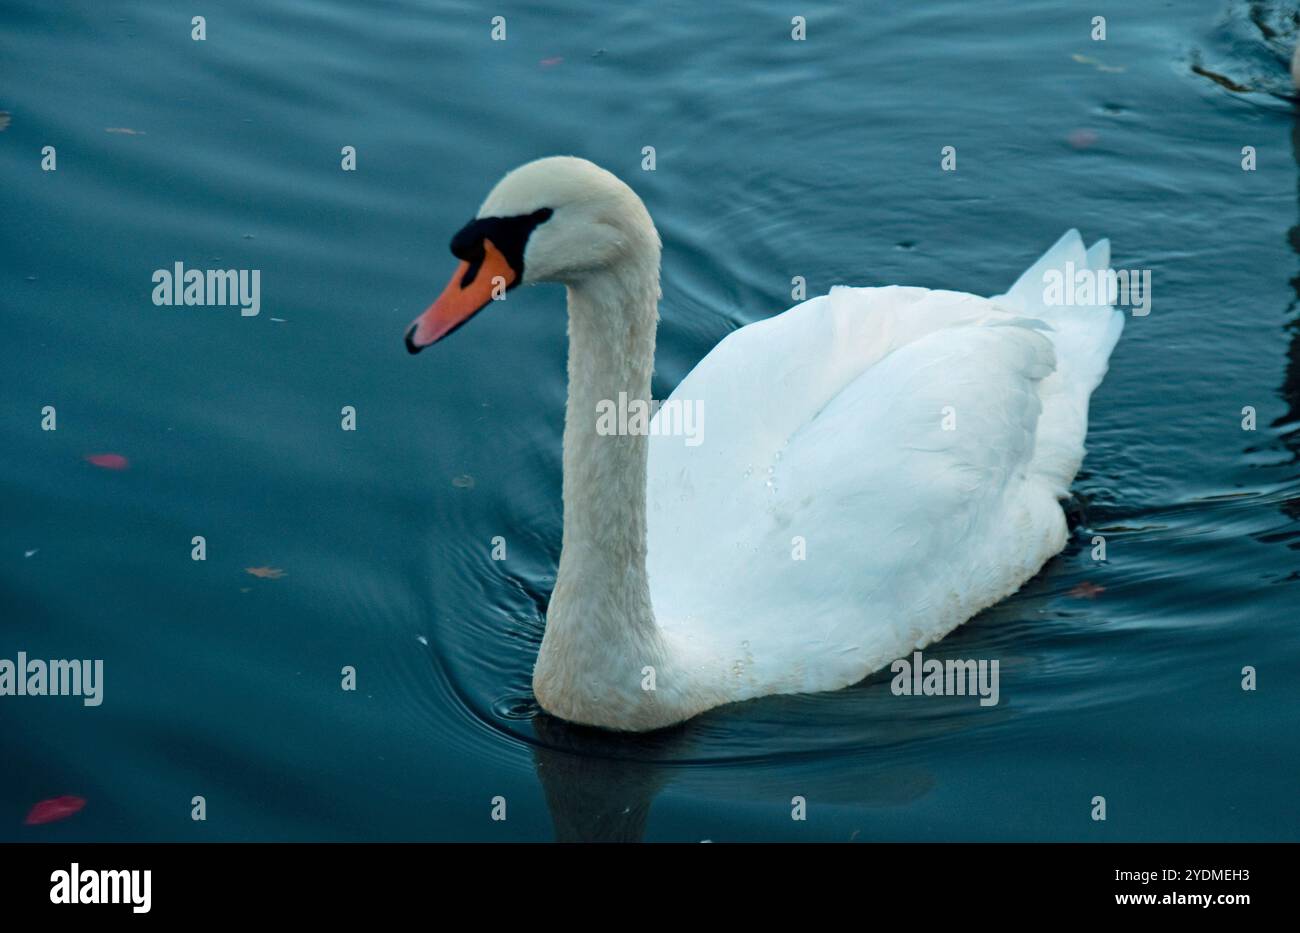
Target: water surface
{"x":774,"y":159}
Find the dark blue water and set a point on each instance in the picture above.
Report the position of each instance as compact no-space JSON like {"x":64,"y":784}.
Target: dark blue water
{"x":774,"y":158}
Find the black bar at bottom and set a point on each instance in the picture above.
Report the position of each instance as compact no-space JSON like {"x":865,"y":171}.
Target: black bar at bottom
{"x":238,"y":881}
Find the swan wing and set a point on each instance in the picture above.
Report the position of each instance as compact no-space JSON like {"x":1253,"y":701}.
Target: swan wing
{"x":869,"y":472}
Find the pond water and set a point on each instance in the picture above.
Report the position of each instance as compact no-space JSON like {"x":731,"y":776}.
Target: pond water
{"x":774,"y":158}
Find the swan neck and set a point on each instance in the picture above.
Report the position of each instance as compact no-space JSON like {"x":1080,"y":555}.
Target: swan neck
{"x":611,"y":356}
{"x":601,"y":604}
{"x":601,"y":635}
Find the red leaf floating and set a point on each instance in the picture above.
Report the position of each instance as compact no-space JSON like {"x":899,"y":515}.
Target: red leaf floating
{"x":1082,"y":138}
{"x":551,"y":62}
{"x":1087,"y":590}
{"x":108,"y":461}
{"x":56,"y":808}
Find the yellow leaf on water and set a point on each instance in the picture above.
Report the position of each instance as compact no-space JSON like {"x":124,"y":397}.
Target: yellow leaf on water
{"x":1100,"y":66}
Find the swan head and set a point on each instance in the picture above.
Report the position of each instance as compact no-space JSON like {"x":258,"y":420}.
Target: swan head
{"x":558,"y":219}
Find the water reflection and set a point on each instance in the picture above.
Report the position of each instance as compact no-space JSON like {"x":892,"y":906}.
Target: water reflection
{"x":599,"y":785}
{"x":860,"y":746}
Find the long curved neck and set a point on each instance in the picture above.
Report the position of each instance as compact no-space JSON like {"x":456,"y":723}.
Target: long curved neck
{"x":611,"y":355}
{"x":600,"y":627}
{"x":612,"y":320}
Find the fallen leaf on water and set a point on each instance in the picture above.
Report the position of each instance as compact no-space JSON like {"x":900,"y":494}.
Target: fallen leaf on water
{"x":464,"y":481}
{"x":56,"y":808}
{"x":1085,"y":60}
{"x":124,"y":130}
{"x":550,"y":62}
{"x":31,"y":552}
{"x":1083,"y":138}
{"x":1086,"y":590}
{"x":4,"y":119}
{"x":266,"y":573}
{"x":108,"y":461}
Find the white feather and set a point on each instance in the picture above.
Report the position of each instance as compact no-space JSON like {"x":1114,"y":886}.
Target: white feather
{"x":827,"y":424}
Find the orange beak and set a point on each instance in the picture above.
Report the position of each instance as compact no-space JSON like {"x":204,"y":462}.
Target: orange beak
{"x":462,"y":299}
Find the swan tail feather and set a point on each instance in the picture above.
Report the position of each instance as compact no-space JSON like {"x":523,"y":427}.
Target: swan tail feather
{"x":1069,"y":289}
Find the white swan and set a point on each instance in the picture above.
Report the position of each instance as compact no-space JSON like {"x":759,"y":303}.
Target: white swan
{"x":912,"y":443}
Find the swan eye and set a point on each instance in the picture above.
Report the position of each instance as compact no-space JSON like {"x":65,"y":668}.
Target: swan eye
{"x":508,"y":234}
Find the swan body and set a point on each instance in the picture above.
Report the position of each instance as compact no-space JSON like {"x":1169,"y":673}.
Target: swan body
{"x":876,"y":466}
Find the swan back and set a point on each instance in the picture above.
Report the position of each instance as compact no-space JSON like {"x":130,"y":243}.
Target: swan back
{"x":878,"y":465}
